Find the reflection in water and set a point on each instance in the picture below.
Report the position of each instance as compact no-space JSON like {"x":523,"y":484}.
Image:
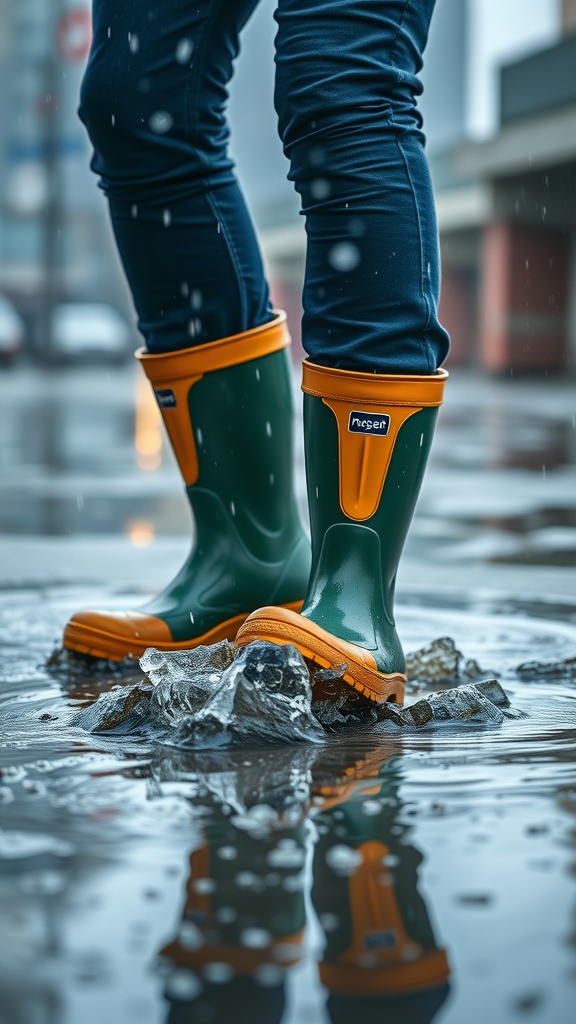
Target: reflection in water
{"x":244,"y":918}
{"x":98,"y":834}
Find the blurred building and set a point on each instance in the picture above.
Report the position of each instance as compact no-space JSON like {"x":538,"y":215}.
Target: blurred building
{"x":503,"y":163}
{"x":508,"y":220}
{"x":55,"y":242}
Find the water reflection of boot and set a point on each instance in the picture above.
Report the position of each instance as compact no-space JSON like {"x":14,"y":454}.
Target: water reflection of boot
{"x":380,"y":958}
{"x":367,"y":440}
{"x":227,"y":407}
{"x":242,"y":927}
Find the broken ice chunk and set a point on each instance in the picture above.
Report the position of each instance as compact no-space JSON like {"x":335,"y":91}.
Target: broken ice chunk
{"x":265,"y":694}
{"x":436,"y":663}
{"x":124,"y":707}
{"x":565,"y":669}
{"x":461,"y":703}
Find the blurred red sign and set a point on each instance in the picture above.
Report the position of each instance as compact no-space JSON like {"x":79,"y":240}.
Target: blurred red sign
{"x":74,"y":33}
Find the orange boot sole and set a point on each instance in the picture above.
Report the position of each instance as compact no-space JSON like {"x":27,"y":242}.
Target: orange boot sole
{"x":284,"y":626}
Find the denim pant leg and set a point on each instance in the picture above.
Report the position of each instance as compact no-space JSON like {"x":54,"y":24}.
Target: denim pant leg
{"x":153,"y":100}
{"x":346,"y":88}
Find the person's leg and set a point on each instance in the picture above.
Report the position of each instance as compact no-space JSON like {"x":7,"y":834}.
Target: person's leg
{"x":346,"y":91}
{"x":153,"y":100}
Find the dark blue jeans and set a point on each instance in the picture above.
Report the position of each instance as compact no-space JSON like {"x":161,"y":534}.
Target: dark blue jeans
{"x":153,"y":100}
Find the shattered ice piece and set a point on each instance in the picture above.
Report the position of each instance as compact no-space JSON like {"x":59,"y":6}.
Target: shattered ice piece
{"x":565,"y":669}
{"x":436,"y":663}
{"x":471,"y":670}
{"x":265,"y":693}
{"x":184,"y":680}
{"x":177,"y":665}
{"x":464,"y":703}
{"x":492,"y":689}
{"x":125,"y":707}
{"x":183,"y":985}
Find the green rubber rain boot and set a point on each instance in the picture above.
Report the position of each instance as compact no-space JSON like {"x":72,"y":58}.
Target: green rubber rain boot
{"x":227,"y":407}
{"x":367,"y":439}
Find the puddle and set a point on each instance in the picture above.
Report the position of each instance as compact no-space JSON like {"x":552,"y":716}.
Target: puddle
{"x":406,"y":875}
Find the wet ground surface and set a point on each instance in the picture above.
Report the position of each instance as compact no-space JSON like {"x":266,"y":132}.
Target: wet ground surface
{"x":399,"y":874}
{"x":434,"y":867}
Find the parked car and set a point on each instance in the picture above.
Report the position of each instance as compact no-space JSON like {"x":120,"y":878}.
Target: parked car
{"x":90,"y":330}
{"x":12,"y":331}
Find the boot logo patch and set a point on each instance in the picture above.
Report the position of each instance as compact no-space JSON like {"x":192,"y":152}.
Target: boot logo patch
{"x":166,"y":398}
{"x":369,"y":423}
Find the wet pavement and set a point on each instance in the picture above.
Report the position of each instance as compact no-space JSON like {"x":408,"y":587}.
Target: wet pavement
{"x":402,"y":874}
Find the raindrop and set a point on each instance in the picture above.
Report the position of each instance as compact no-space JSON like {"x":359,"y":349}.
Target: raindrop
{"x":390,"y":860}
{"x":190,"y":936}
{"x":527,"y":264}
{"x":320,"y":189}
{"x":109,"y":32}
{"x":134,"y":210}
{"x":268,"y":975}
{"x":183,"y":984}
{"x":200,"y":437}
{"x":257,"y":374}
{"x":246,"y":879}
{"x":268,"y":429}
{"x":428,"y":269}
{"x":198,"y":325}
{"x":161,"y":122}
{"x":192,"y":328}
{"x":343,"y":860}
{"x":344,"y":256}
{"x":544,"y":471}
{"x":232,"y":508}
{"x":218,"y":973}
{"x":204,"y":886}
{"x":184,"y":51}
{"x":227,"y":853}
{"x":226,"y":915}
{"x":291,"y":857}
{"x":113,"y":120}
{"x":271,"y":478}
{"x":184,"y":289}
{"x":316,"y":492}
{"x":166,"y":218}
{"x":421,"y":439}
{"x":371,"y":807}
{"x":192,"y":617}
{"x":329,"y":922}
{"x":133,"y":42}
{"x":196,"y":299}
{"x":219,"y":227}
{"x":256,"y":938}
